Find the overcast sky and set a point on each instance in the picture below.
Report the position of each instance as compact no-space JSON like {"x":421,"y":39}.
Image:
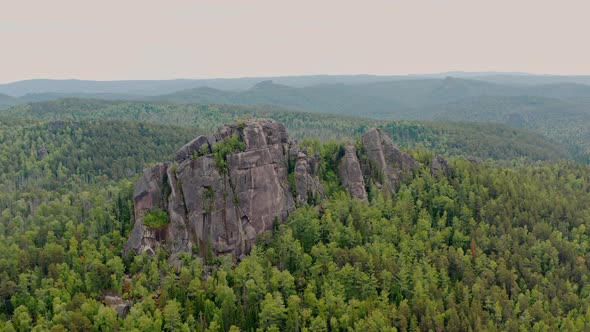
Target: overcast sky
{"x":165,"y":39}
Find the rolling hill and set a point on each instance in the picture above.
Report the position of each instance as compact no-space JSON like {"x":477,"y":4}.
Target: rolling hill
{"x":489,"y":141}
{"x":557,"y":110}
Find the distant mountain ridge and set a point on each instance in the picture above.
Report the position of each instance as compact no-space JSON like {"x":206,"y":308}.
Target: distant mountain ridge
{"x":158,"y":87}
{"x":557,"y":110}
{"x":402,"y":99}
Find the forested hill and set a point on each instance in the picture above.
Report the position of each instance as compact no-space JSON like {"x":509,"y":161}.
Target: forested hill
{"x":484,"y":141}
{"x":6,"y":100}
{"x":559,"y":111}
{"x":49,"y":154}
{"x":478,"y":245}
{"x":389,"y":99}
{"x":554,"y":107}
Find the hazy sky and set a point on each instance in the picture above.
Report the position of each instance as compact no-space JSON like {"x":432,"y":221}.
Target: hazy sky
{"x":163,"y":39}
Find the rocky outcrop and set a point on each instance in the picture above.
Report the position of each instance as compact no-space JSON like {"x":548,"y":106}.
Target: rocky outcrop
{"x":384,"y":163}
{"x":223,"y":190}
{"x":201,"y":143}
{"x":211,"y":208}
{"x":351,"y":175}
{"x":120,"y":305}
{"x":307,"y":184}
{"x":439,"y":166}
{"x":147,"y":198}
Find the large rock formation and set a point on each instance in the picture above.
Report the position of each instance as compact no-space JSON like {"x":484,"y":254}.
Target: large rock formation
{"x":223,"y":190}
{"x":384,"y":162}
{"x":307,"y":184}
{"x":216,"y":208}
{"x":151,"y":195}
{"x":350,"y":173}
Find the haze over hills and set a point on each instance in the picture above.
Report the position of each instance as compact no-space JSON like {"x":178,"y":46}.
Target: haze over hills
{"x":157,"y":87}
{"x":559,"y":111}
{"x":399,"y":96}
{"x":393,"y":97}
{"x":6,"y":100}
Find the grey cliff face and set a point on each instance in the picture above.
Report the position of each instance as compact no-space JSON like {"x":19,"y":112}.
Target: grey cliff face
{"x":351,"y":175}
{"x":147,"y":197}
{"x":307,"y":184}
{"x":216,"y":210}
{"x":213,"y":209}
{"x":187,"y":151}
{"x":385,"y":163}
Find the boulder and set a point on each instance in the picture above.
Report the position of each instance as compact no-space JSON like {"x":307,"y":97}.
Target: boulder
{"x":120,"y":305}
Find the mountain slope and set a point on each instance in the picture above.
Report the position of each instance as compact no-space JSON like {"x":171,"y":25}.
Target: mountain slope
{"x":380,"y":98}
{"x":494,"y":141}
{"x":91,"y":150}
{"x":390,"y":99}
{"x":156,"y":87}
{"x":560,"y":120}
{"x":6,"y":101}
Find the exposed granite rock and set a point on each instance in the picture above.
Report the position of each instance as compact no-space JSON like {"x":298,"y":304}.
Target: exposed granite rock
{"x":188,"y":150}
{"x":158,"y":190}
{"x":439,"y":166}
{"x":217,"y":211}
{"x":351,"y":175}
{"x":307,"y":183}
{"x":149,"y":196}
{"x":120,"y":305}
{"x":385,"y":163}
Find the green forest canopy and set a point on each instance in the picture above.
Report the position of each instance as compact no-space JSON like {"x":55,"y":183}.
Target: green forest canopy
{"x":494,"y":245}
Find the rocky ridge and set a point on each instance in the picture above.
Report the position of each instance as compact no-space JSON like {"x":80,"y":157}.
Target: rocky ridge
{"x":225,"y":189}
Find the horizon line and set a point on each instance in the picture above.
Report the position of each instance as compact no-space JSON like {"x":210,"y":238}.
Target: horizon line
{"x":447,"y":73}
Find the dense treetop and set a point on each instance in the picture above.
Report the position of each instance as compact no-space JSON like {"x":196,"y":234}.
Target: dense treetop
{"x":499,"y":244}
{"x":489,"y":141}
